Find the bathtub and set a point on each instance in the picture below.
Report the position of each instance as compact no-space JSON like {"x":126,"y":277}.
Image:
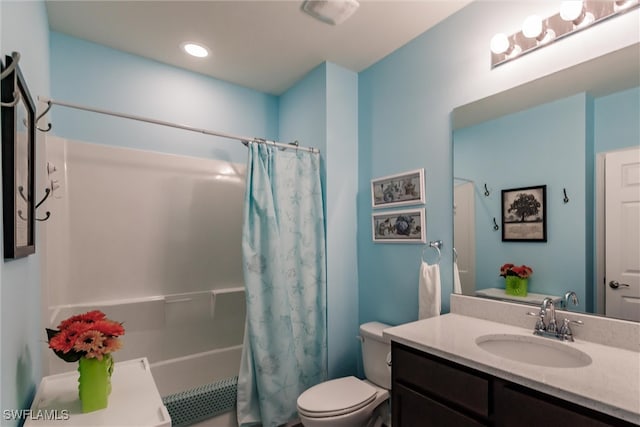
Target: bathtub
{"x":193,"y":341}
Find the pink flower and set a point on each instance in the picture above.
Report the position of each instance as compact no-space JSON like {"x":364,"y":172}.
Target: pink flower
{"x":112,"y":344}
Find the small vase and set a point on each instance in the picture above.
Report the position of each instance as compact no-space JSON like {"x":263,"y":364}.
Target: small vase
{"x":94,"y":384}
{"x":516,"y":286}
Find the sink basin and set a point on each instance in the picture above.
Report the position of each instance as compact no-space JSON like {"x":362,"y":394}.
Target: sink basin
{"x":534,"y":350}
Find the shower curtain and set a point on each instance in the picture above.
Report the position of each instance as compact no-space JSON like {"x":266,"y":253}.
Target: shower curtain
{"x":283,"y":244}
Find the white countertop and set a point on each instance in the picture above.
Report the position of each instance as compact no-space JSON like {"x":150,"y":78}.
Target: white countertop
{"x":610,"y":384}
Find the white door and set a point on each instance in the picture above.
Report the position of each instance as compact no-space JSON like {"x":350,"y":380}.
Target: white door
{"x":464,"y":235}
{"x":622,"y":234}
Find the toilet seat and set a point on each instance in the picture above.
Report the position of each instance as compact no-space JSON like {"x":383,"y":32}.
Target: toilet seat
{"x":336,"y":397}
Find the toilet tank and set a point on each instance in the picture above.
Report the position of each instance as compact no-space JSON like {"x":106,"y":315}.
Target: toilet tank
{"x":375,"y":350}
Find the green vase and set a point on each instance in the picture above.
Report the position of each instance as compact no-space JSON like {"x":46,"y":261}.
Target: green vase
{"x":516,"y":286}
{"x":94,"y":384}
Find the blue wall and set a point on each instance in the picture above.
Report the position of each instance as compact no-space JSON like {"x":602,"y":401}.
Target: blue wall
{"x":342,"y":189}
{"x":89,"y":74}
{"x":616,"y":120}
{"x":321,"y":111}
{"x":544,"y":145}
{"x":24,"y":28}
{"x":405,"y":102}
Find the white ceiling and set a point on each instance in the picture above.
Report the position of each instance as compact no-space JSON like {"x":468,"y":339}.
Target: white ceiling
{"x":266,"y":45}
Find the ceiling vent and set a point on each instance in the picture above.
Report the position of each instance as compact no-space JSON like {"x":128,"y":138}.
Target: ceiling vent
{"x":332,"y":12}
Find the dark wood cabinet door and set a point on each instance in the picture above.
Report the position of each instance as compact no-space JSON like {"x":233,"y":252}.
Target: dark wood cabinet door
{"x":443,"y":380}
{"x":411,"y":409}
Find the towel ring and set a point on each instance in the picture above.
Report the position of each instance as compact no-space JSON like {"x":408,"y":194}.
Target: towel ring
{"x":437,"y":244}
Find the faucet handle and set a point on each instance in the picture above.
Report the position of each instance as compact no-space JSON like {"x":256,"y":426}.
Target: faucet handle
{"x":565,"y":330}
{"x":540,"y":326}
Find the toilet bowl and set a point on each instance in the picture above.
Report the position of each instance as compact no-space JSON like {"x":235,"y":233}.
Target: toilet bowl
{"x":343,"y":402}
{"x":349,"y":401}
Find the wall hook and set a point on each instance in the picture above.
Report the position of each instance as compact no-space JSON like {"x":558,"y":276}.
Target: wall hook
{"x":47,"y":191}
{"x":486,"y":190}
{"x":496,"y":227}
{"x":21,"y":192}
{"x":41,"y":115}
{"x":46,"y":217}
{"x":566,"y":199}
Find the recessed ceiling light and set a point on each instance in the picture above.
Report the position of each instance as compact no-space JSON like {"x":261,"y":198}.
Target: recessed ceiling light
{"x":195,"y":49}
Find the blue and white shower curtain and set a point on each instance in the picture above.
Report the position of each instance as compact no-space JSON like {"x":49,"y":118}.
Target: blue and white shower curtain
{"x":283,"y":244}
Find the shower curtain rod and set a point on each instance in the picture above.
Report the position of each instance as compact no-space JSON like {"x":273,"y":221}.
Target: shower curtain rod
{"x":243,"y":139}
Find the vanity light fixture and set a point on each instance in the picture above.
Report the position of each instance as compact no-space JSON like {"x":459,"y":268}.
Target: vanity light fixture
{"x":195,"y":49}
{"x":574,"y":15}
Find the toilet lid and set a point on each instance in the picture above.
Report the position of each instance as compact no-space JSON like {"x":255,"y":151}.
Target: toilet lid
{"x":336,"y":397}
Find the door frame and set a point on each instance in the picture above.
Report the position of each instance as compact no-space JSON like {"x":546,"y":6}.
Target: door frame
{"x":600,"y":243}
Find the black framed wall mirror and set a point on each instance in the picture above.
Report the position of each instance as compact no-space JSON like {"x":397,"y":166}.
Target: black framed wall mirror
{"x":18,"y":163}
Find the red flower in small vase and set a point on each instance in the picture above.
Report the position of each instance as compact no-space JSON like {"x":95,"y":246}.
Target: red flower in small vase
{"x":522,"y":271}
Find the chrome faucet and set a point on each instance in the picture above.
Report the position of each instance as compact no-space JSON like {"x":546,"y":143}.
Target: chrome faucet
{"x":549,"y":308}
{"x":550,"y":328}
{"x":570,"y":297}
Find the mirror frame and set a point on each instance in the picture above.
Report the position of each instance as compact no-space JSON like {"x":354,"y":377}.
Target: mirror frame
{"x":14,"y":88}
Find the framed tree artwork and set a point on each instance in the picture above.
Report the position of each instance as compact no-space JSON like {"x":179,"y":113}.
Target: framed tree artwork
{"x":524,"y":214}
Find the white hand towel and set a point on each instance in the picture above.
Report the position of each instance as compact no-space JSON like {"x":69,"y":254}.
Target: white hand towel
{"x":457,"y":287}
{"x":429,"y":291}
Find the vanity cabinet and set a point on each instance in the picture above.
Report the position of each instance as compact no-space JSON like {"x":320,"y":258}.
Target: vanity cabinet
{"x":430,"y":391}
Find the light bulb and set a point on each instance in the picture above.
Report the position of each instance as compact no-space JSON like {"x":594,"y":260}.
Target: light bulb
{"x":532,"y":26}
{"x":571,"y":10}
{"x":499,"y":43}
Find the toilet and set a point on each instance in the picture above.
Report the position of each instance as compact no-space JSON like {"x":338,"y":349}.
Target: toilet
{"x":349,"y":401}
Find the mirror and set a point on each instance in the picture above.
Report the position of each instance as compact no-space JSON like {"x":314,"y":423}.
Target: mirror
{"x":551,"y":132}
{"x":18,"y":167}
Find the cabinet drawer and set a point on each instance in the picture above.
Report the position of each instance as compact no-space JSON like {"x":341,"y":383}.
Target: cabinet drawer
{"x":411,"y":409}
{"x":516,"y":405}
{"x":452,"y":383}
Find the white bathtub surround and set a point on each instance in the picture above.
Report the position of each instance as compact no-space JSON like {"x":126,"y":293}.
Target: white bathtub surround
{"x":190,"y":339}
{"x":610,"y":384}
{"x":153,"y":241}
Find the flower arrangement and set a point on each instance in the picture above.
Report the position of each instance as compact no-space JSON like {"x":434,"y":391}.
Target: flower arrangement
{"x":522,"y":271}
{"x":89,"y":335}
